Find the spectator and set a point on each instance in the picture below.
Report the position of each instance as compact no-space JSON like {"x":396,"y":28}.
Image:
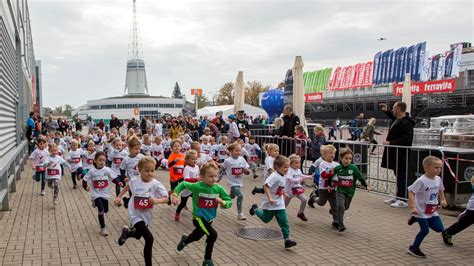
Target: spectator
{"x":316,"y":142}
{"x":290,"y":121}
{"x":143,"y":125}
{"x":30,"y":127}
{"x":257,"y":120}
{"x":278,"y":124}
{"x":158,"y":128}
{"x":176,"y":130}
{"x":132,"y":124}
{"x":264,"y":121}
{"x":78,"y":125}
{"x":101,"y":124}
{"x":369,"y":132}
{"x":400,"y":134}
{"x":51,"y":125}
{"x":203,"y":125}
{"x":241,"y":121}
{"x":219,"y":121}
{"x":332,"y":131}
{"x":115,"y":123}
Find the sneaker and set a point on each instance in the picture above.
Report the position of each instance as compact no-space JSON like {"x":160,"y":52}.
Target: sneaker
{"x":411,"y":220}
{"x":342,"y":228}
{"x":302,"y":217}
{"x":207,"y":263}
{"x":311,"y":202}
{"x":315,"y":193}
{"x":182,"y":243}
{"x":176,"y":217}
{"x":125,"y":202}
{"x":255,"y":176}
{"x":78,"y":177}
{"x":74,"y":186}
{"x":289,"y":243}
{"x":241,"y":217}
{"x":169,"y":201}
{"x":335,"y":225}
{"x":399,"y":204}
{"x":252,"y":209}
{"x":390,"y":201}
{"x":93,"y":204}
{"x":447,"y":239}
{"x":254,"y":190}
{"x":104,"y":232}
{"x":124,"y":235}
{"x":42,"y":193}
{"x":55,"y":201}
{"x":416,"y":252}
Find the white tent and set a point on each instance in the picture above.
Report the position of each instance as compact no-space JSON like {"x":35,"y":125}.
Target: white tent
{"x":211,"y":111}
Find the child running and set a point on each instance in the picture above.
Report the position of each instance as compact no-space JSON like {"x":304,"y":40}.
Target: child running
{"x":88,"y":157}
{"x":294,"y":177}
{"x":347,"y":176}
{"x":75,"y":161}
{"x":272,"y":151}
{"x":146,"y":192}
{"x":38,"y":157}
{"x":191,"y":175}
{"x":423,"y":201}
{"x":129,"y":165}
{"x":207,"y":196}
{"x":273,"y":203}
{"x":176,"y":166}
{"x":53,"y":170}
{"x":254,"y":152}
{"x":99,"y":176}
{"x":116,"y":156}
{"x":235,"y":167}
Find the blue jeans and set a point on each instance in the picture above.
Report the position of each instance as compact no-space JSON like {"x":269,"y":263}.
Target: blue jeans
{"x":425,"y":225}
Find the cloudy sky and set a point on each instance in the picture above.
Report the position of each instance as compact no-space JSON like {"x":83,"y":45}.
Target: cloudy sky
{"x":83,"y":44}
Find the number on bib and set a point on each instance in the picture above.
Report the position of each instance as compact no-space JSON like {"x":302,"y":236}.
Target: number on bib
{"x":280,"y":191}
{"x":345,"y":182}
{"x":253,"y":158}
{"x":89,"y":161}
{"x":52,"y":172}
{"x":178,"y":170}
{"x":207,"y":203}
{"x":142,"y":203}
{"x":237,"y":171}
{"x":40,"y":168}
{"x":297,"y":190}
{"x":100,"y":184}
{"x":118,"y":160}
{"x":431,"y":207}
{"x":76,"y":160}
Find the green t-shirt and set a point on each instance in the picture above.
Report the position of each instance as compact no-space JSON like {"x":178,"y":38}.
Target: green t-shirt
{"x":204,"y":203}
{"x":347,"y":178}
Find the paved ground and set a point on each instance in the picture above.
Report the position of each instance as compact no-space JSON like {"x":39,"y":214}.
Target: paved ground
{"x":35,"y":232}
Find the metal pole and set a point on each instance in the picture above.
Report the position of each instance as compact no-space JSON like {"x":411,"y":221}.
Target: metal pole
{"x":196,"y":102}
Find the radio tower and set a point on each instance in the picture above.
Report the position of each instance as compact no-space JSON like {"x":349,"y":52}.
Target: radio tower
{"x":135,"y":80}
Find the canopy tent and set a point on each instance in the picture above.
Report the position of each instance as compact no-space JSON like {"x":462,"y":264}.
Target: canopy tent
{"x":211,"y":111}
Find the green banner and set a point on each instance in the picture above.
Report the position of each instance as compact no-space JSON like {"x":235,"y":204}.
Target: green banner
{"x":316,"y":81}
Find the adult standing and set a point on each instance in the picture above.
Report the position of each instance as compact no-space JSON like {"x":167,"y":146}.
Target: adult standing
{"x":400,"y":134}
{"x":290,"y":121}
{"x":158,"y":131}
{"x":219,"y":121}
{"x":115,"y":122}
{"x":78,"y":125}
{"x":143,"y":125}
{"x":241,"y":121}
{"x":51,"y":125}
{"x":369,"y":132}
{"x":101,"y":124}
{"x":30,"y":127}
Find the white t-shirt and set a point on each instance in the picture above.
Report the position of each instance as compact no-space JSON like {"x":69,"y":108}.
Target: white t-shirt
{"x":99,"y":142}
{"x":158,"y":129}
{"x":139,"y":208}
{"x":166,"y":145}
{"x":189,"y":172}
{"x":130,"y":165}
{"x":74,"y":159}
{"x":426,"y":195}
{"x":100,"y":180}
{"x":39,"y":157}
{"x":233,"y":131}
{"x":157,"y":151}
{"x":203,"y":158}
{"x":185,"y":147}
{"x":253,"y":150}
{"x":221,"y":150}
{"x":268,"y":165}
{"x":470,"y":203}
{"x":53,"y":167}
{"x":117,"y":157}
{"x":88,"y":159}
{"x":234,"y":169}
{"x":146,"y":149}
{"x":206,"y":148}
{"x":61,"y":151}
{"x":293,"y":181}
{"x":276,"y":182}
{"x":326,"y":167}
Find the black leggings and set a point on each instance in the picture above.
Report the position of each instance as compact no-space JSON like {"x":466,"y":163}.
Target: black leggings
{"x":203,"y":228}
{"x":75,"y":174}
{"x":465,"y":220}
{"x":141,"y":230}
{"x":182,"y":204}
{"x":103,"y":208}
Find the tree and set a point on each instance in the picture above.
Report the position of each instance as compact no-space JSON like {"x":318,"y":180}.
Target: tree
{"x":281,"y":85}
{"x":203,"y":101}
{"x":58,"y":110}
{"x":224,"y":95}
{"x":252,"y":92}
{"x":177,"y":92}
{"x":67,"y":110}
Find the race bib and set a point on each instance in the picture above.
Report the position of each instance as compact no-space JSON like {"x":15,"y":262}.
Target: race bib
{"x":207,"y":201}
{"x":156,"y":153}
{"x":237,"y":171}
{"x":253,"y":158}
{"x":297,"y":190}
{"x":167,"y":149}
{"x":206,"y":152}
{"x":142,"y":203}
{"x":100,"y":184}
{"x":89,"y":161}
{"x":118,"y":160}
{"x":178,"y":170}
{"x":76,"y":160}
{"x":52,"y":172}
{"x":345,"y":182}
{"x":280,"y":191}
{"x":223,"y":152}
{"x":40,"y":168}
{"x":431,"y":206}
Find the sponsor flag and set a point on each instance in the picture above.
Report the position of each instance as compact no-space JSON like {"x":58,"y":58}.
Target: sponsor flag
{"x":448,"y":65}
{"x":428,"y":87}
{"x":409,"y":61}
{"x":377,"y":60}
{"x":456,"y":60}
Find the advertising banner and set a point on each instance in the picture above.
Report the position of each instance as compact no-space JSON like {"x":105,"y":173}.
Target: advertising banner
{"x":315,"y":97}
{"x":288,"y":96}
{"x":351,"y":77}
{"x":456,"y":60}
{"x":316,"y":81}
{"x":410,"y":58}
{"x":448,"y":65}
{"x":420,"y":61}
{"x":434,"y":67}
{"x":428,"y":87}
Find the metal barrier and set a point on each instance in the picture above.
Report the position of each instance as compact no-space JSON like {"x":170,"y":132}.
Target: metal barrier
{"x":11,"y":166}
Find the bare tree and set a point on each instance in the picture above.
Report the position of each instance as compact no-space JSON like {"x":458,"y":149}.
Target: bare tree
{"x":252,"y":92}
{"x":224,"y":95}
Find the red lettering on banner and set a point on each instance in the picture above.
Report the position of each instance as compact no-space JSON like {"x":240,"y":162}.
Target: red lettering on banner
{"x":352,"y":77}
{"x":315,"y":97}
{"x":435,"y":86}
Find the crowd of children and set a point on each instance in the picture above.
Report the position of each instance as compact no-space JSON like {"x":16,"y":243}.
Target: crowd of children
{"x":195,"y":170}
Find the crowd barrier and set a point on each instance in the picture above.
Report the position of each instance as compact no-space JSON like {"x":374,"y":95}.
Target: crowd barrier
{"x":11,"y":166}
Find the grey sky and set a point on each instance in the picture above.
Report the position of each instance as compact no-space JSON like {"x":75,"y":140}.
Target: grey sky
{"x":83,"y":44}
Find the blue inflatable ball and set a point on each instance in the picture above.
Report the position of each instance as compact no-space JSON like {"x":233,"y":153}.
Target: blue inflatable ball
{"x":272,"y":103}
